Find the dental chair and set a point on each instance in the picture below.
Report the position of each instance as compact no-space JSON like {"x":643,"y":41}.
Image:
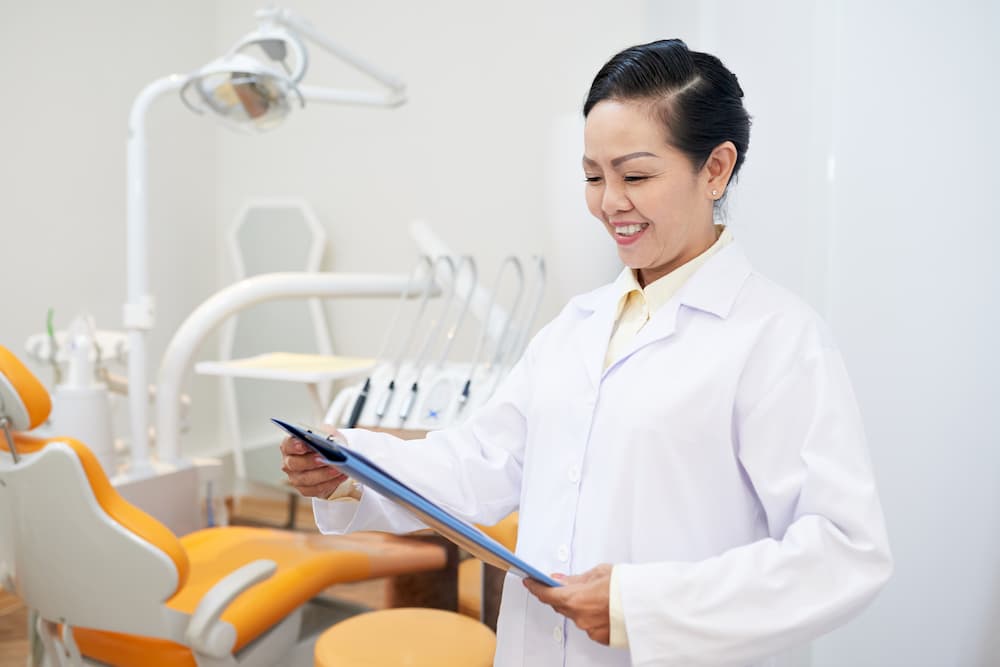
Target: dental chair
{"x":111,"y":585}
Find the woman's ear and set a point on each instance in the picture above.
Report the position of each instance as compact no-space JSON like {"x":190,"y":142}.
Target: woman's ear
{"x":718,"y":169}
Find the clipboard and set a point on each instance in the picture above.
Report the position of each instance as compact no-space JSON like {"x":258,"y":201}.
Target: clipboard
{"x":462,"y":533}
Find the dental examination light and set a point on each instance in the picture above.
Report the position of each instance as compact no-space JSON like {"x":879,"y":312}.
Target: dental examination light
{"x":256,"y":84}
{"x":252,"y":88}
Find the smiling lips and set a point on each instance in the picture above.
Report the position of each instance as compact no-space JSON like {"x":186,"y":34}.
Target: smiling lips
{"x":627,"y":233}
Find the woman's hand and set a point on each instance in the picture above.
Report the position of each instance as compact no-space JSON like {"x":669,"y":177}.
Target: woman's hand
{"x":583,"y":599}
{"x":306,"y":470}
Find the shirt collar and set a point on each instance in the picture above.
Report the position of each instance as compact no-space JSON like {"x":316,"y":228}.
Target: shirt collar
{"x":659,"y":292}
{"x":713,"y":288}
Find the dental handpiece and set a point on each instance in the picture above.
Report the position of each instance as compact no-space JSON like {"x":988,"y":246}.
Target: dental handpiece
{"x":359,"y":404}
{"x":404,"y":411}
{"x":383,"y":403}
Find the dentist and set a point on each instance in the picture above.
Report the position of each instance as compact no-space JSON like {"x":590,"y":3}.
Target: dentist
{"x":683,"y":444}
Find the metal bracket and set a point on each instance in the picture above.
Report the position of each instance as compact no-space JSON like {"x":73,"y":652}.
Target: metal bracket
{"x":5,"y":424}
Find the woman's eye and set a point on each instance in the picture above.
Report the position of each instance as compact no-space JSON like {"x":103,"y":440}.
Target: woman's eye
{"x":635,"y":179}
{"x":592,"y":179}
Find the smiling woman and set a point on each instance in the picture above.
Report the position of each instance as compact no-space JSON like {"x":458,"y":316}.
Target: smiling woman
{"x":683,"y":444}
{"x":666,"y":131}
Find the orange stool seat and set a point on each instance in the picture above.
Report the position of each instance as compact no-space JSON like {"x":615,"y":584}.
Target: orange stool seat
{"x":411,"y":637}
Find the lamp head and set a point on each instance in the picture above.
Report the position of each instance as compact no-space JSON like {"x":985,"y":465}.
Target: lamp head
{"x":255,"y":85}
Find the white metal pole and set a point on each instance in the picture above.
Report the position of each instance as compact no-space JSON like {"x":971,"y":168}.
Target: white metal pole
{"x":139,"y":311}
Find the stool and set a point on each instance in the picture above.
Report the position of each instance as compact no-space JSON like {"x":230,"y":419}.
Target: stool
{"x":413,"y":637}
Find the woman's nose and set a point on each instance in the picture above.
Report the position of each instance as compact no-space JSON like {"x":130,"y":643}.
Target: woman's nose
{"x":614,"y":199}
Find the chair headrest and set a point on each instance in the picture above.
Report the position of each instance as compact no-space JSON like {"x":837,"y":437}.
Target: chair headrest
{"x":23,"y":399}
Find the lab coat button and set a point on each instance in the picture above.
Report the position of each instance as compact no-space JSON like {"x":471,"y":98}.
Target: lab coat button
{"x":573,"y":474}
{"x":557,"y":634}
{"x":562,"y":553}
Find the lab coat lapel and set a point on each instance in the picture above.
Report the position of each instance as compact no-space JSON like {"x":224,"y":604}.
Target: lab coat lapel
{"x":597,"y":310}
{"x":661,"y":325}
{"x":712,"y":289}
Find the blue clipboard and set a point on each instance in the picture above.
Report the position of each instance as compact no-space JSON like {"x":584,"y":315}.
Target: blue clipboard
{"x":462,"y":533}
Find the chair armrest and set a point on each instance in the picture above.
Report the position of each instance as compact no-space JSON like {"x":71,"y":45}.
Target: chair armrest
{"x":205,"y":634}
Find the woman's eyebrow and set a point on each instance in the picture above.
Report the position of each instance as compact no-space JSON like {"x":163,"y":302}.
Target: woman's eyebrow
{"x":631,"y":156}
{"x":618,"y":160}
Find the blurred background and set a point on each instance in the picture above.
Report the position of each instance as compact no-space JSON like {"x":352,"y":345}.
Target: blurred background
{"x":869,"y":189}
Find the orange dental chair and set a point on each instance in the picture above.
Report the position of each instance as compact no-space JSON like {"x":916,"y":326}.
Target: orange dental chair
{"x":112,"y":585}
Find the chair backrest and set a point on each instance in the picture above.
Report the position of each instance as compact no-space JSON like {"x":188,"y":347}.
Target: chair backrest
{"x":70,"y":546}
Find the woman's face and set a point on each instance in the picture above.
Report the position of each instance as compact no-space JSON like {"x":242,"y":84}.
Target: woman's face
{"x":646,"y":192}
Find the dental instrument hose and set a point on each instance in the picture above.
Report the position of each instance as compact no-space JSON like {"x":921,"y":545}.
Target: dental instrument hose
{"x":510,"y":260}
{"x":418,"y":366}
{"x":359,"y":402}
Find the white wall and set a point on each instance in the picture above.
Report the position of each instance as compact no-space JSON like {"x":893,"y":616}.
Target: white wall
{"x":71,"y":71}
{"x":917,"y":175}
{"x":869,"y":189}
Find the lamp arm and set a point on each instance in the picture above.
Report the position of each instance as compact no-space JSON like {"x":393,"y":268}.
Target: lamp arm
{"x":299,"y":25}
{"x":358,"y":97}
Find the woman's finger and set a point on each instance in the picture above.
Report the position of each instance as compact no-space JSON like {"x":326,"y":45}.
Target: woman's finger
{"x":294,"y":446}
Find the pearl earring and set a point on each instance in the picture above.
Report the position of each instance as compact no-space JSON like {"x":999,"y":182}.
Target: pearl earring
{"x":715,"y":193}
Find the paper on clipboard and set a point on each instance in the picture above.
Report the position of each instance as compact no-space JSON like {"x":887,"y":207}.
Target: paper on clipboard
{"x":462,"y":533}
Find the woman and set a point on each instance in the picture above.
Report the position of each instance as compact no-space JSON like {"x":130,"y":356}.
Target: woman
{"x":684,"y":441}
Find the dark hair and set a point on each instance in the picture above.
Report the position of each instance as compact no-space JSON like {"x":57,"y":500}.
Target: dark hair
{"x":698,"y":99}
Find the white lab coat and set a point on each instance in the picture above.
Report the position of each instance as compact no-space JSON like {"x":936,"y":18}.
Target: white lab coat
{"x":721,"y":461}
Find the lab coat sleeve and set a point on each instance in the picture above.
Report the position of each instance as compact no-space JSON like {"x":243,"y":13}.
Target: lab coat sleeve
{"x":473,"y":470}
{"x":802,"y":446}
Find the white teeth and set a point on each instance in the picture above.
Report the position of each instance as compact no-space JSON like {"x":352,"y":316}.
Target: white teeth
{"x":629,"y":230}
